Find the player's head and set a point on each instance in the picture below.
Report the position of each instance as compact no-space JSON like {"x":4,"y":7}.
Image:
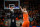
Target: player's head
{"x":24,"y":7}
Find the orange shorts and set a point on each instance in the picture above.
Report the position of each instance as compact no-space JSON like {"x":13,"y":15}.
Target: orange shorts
{"x":25,"y":24}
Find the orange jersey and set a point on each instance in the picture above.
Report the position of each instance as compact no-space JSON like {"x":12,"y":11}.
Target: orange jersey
{"x":25,"y":20}
{"x":25,"y":17}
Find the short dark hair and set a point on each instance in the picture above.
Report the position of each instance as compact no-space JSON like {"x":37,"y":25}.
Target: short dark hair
{"x":24,"y":6}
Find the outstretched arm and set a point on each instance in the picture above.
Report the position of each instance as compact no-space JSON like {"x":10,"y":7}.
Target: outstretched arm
{"x":12,"y":10}
{"x":21,"y":9}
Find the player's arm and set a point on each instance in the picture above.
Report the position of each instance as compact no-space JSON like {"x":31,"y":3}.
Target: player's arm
{"x":12,"y":10}
{"x":21,"y":9}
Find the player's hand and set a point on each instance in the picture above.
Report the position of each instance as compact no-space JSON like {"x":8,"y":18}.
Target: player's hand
{"x":20,"y":7}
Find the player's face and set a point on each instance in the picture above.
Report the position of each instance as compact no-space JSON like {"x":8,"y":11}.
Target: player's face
{"x":24,"y":8}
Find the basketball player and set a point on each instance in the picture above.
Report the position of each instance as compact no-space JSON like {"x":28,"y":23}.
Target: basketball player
{"x":13,"y":21}
{"x":25,"y":17}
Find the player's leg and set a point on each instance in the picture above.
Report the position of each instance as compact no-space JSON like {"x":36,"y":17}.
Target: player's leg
{"x":28,"y":23}
{"x":24,"y":24}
